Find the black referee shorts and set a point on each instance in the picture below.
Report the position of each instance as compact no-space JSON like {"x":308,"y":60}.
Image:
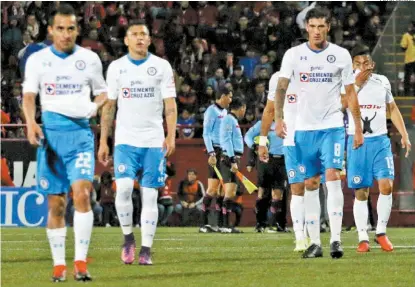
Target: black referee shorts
{"x":211,"y":171}
{"x":225,"y":169}
{"x":272,"y":174}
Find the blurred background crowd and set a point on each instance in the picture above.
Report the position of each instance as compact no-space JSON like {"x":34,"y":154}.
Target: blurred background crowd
{"x":209,"y":44}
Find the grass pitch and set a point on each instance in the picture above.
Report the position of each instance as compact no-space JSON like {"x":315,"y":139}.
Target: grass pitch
{"x":183,"y":257}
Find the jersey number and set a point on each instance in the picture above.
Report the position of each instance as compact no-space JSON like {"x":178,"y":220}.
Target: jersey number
{"x":389,"y":162}
{"x":337,"y":149}
{"x":83,"y":160}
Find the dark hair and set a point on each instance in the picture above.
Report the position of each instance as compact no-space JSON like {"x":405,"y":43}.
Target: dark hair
{"x":360,"y":51}
{"x":222,"y":91}
{"x":237,"y":103}
{"x":137,"y":23}
{"x":65,"y":10}
{"x":191,"y":170}
{"x":318,"y":13}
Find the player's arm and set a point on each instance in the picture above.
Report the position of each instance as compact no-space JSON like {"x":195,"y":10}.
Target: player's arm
{"x":226,"y":135}
{"x":98,"y":85}
{"x":168,"y":92}
{"x":208,"y":123}
{"x":108,"y":113}
{"x":352,"y":100}
{"x":249,"y":140}
{"x":397,"y":120}
{"x":30,"y":90}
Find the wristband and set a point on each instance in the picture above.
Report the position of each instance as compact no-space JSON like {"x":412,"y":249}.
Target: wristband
{"x":263,"y":140}
{"x":212,"y":153}
{"x":233,"y":159}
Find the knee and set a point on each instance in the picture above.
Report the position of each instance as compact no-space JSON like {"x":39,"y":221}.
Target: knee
{"x":178,"y":208}
{"x":332,"y":174}
{"x":312,"y":183}
{"x":297,"y":189}
{"x":82,"y":193}
{"x":362,"y":194}
{"x":385,"y":186}
{"x":57,"y":207}
{"x":260,"y":193}
{"x":277,"y":194}
{"x":149,"y":198}
{"x":124,"y":189}
{"x":161,"y":208}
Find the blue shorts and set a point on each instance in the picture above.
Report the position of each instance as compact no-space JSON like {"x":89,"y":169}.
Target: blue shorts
{"x":373,"y":160}
{"x":130,"y":160}
{"x":64,"y":158}
{"x":320,"y":150}
{"x":295,"y":171}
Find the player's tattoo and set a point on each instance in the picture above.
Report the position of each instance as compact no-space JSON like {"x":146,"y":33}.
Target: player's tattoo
{"x":267,"y":118}
{"x":107,"y":118}
{"x":280,"y":97}
{"x":170,"y":112}
{"x":353,"y":104}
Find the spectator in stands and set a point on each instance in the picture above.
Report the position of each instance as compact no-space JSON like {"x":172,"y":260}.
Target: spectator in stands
{"x":190,"y":193}
{"x":12,"y":39}
{"x":372,"y":31}
{"x":92,"y":42}
{"x":107,"y":199}
{"x":186,"y":99}
{"x":239,"y":82}
{"x":6,"y":179}
{"x":209,"y":66}
{"x":165,"y":199}
{"x":217,"y":81}
{"x":263,"y":64}
{"x":408,"y":45}
{"x":32,"y":26}
{"x":249,"y":62}
{"x":186,"y":119}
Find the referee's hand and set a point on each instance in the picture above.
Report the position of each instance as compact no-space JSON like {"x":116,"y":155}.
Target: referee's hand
{"x":263,"y":153}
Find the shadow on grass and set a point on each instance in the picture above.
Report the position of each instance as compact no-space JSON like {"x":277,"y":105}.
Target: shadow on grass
{"x":164,"y":276}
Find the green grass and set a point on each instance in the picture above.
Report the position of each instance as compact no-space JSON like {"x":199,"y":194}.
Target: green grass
{"x":183,"y":257}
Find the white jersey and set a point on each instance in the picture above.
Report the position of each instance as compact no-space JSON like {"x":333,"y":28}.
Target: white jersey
{"x":290,"y":107}
{"x":140,"y":88}
{"x":373,"y":97}
{"x":319,"y":76}
{"x":64,"y":81}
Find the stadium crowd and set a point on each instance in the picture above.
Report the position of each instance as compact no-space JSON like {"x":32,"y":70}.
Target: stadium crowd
{"x":209,"y":44}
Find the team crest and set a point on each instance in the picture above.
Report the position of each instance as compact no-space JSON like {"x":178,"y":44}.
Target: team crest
{"x":304,"y":77}
{"x":50,"y":89}
{"x":80,"y":65}
{"x":125,"y":92}
{"x":292,"y":98}
{"x":44,"y":183}
{"x":357,"y":179}
{"x":331,"y":58}
{"x":121,"y":168}
{"x":151,"y":71}
{"x":291,"y":173}
{"x":302,"y":168}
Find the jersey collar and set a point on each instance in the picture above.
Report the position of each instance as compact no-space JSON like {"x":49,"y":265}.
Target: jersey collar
{"x":138,"y":62}
{"x":218,"y":106}
{"x":318,"y":51}
{"x":232,"y":114}
{"x":62,"y":55}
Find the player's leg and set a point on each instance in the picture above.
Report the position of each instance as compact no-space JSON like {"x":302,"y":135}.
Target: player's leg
{"x":126,"y":166}
{"x":278,"y":178}
{"x":307,"y":145}
{"x":263,"y":199}
{"x":360,"y":178}
{"x":384,"y":172}
{"x":211,"y":193}
{"x":238,"y":209}
{"x":153,"y":178}
{"x":52,"y":181}
{"x":218,"y":208}
{"x":230,"y":187}
{"x":332,"y":156}
{"x":79,"y":161}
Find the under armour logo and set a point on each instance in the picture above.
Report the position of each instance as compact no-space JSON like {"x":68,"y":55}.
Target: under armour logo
{"x":303,"y":58}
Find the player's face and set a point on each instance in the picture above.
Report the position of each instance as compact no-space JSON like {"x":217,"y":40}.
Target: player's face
{"x":363,"y":63}
{"x":137,"y":39}
{"x":227,"y":100}
{"x":241,"y":112}
{"x":64,"y":32}
{"x":317,"y":29}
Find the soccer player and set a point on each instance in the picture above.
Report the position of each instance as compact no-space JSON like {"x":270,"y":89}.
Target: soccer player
{"x":374,"y":160}
{"x":319,"y":69}
{"x":213,"y":117}
{"x":232,"y":145}
{"x":64,"y":75}
{"x":139,"y":83}
{"x":271,"y":175}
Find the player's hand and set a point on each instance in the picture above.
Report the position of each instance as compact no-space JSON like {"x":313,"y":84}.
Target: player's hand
{"x":249,"y":168}
{"x":192,"y":205}
{"x":358,"y":140}
{"x":169,"y":145}
{"x":263,"y":153}
{"x":34,"y":134}
{"x":406,"y":144}
{"x":103,"y":153}
{"x":362,"y":77}
{"x":185,"y":204}
{"x":212,"y":160}
{"x":281,"y":128}
{"x":234,"y":167}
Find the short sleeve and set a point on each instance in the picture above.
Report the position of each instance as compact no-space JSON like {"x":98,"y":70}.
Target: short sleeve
{"x":32,"y":80}
{"x":168,"y":86}
{"x":342,"y":90}
{"x":112,"y":81}
{"x":347,"y":72}
{"x":98,"y":84}
{"x":273,"y":83}
{"x":387,"y":85}
{"x":287,"y":66}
